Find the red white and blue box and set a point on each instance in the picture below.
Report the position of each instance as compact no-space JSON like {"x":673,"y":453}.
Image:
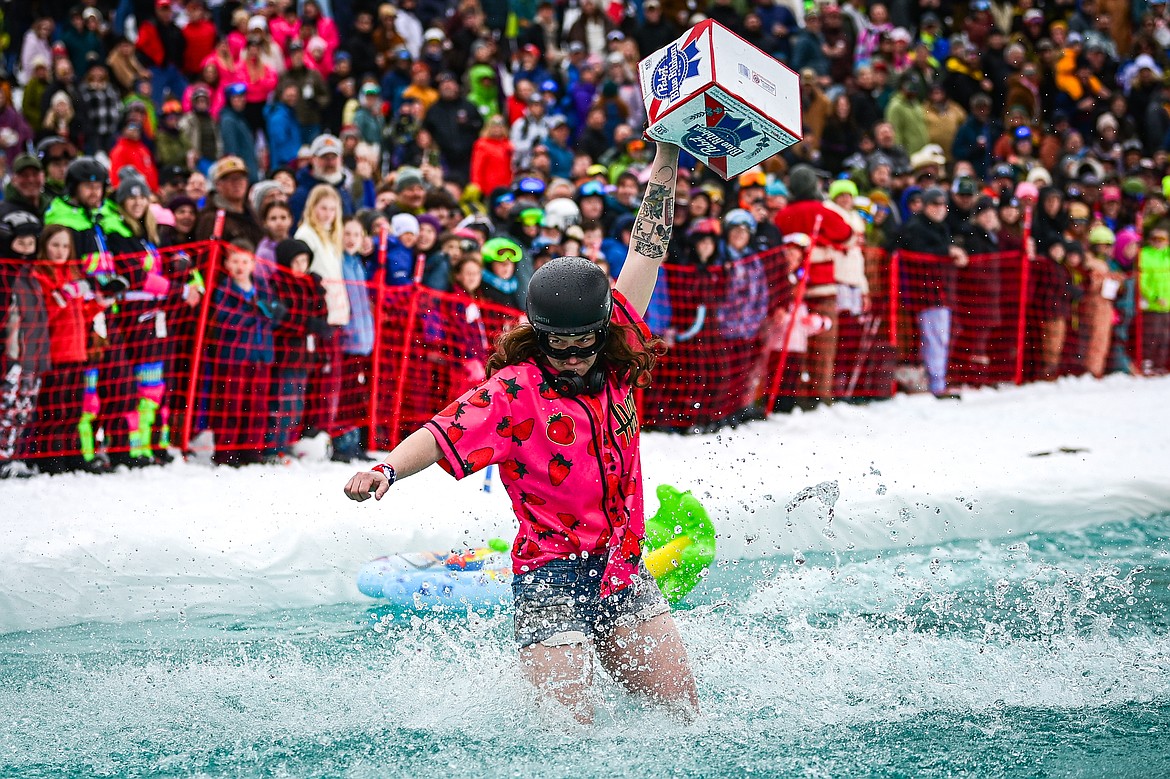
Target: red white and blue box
{"x":723,"y":100}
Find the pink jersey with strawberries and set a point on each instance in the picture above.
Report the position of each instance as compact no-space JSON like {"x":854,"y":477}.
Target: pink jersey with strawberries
{"x":570,"y":465}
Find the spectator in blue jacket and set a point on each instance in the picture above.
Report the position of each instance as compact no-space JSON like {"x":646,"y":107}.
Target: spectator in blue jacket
{"x":808,"y":47}
{"x":284,"y":131}
{"x":238,"y":138}
{"x":400,"y":250}
{"x":242,"y":352}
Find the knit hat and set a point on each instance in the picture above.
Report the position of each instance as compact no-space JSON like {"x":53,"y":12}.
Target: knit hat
{"x":802,"y":183}
{"x":130,"y":187}
{"x":259,"y":191}
{"x":181,"y":201}
{"x":433,"y":221}
{"x":408,"y":176}
{"x":842,"y":187}
{"x":401,"y":224}
{"x":288,"y":249}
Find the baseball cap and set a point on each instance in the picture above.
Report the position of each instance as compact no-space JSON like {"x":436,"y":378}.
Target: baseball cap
{"x":325,"y":144}
{"x":236,"y":89}
{"x":934,"y":196}
{"x":965,"y":185}
{"x":227,"y":166}
{"x":25,"y":162}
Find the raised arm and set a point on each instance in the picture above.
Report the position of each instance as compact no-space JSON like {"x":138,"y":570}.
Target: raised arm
{"x":651,"y":232}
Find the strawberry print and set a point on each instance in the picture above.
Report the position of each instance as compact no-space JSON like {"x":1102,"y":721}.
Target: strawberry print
{"x":522,"y":431}
{"x":480,"y":458}
{"x":547,"y":392}
{"x":592,"y":499}
{"x":512,"y":387}
{"x":570,"y":522}
{"x":512,"y":470}
{"x":558,"y":469}
{"x":561,"y":429}
{"x":480,"y":399}
{"x":504,"y":428}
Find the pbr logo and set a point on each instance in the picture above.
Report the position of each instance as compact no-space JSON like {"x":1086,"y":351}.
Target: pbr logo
{"x":725,"y":138}
{"x":675,"y":68}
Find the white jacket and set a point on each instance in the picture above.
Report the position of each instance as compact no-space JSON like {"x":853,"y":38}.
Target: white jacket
{"x":327,"y":260}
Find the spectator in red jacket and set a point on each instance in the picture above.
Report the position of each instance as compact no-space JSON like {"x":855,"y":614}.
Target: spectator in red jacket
{"x":163,"y":46}
{"x":132,"y":150}
{"x":807,"y":213}
{"x":200,"y":36}
{"x":491,"y":156}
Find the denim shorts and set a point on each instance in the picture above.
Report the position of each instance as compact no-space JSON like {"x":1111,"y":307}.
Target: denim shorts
{"x":560,"y":603}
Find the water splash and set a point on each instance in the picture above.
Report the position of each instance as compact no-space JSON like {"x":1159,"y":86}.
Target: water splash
{"x":808,"y":665}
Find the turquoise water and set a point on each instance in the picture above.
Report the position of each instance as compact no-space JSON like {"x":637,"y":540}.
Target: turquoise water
{"x":1046,"y":655}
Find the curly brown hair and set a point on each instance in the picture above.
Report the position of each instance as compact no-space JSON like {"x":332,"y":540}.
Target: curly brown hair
{"x":626,"y":351}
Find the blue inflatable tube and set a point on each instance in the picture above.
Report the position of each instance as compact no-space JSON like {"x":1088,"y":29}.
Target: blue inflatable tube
{"x":424,"y":581}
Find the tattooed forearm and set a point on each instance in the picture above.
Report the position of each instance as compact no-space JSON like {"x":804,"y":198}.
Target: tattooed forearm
{"x":655,"y":222}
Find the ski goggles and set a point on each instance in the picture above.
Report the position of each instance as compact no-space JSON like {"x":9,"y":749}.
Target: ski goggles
{"x":580,"y":352}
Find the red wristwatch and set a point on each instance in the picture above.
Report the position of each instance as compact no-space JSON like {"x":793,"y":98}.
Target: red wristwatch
{"x":386,"y":470}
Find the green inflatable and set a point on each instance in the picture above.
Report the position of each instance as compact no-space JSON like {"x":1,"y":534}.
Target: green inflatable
{"x":679,"y":544}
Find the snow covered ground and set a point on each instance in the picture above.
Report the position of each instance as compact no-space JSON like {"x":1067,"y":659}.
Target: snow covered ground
{"x":909,"y":472}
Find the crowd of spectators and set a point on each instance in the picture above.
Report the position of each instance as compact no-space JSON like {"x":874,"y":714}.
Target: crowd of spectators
{"x":485,"y":136}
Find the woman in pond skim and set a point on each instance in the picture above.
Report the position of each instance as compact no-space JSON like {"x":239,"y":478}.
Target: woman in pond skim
{"x":557,"y":415}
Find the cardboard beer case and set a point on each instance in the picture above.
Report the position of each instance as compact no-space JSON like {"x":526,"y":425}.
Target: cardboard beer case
{"x":723,"y":100}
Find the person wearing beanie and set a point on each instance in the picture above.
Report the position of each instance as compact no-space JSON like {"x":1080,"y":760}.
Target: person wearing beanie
{"x":299,"y":294}
{"x":849,"y":263}
{"x":931,"y":257}
{"x":137,"y":402}
{"x":24,"y":333}
{"x":980,"y":282}
{"x":400,"y":253}
{"x":806,"y":210}
{"x":410,"y":190}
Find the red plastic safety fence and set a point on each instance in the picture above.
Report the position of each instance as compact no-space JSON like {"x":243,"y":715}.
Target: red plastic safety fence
{"x":209,"y":344}
{"x":95,"y":365}
{"x":721,"y":318}
{"x":435,"y":347}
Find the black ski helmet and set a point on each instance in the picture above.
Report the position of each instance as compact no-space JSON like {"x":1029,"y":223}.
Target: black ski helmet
{"x":85,"y":169}
{"x":569,"y":296}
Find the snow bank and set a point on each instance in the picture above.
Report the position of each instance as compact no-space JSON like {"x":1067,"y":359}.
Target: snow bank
{"x":912,"y":471}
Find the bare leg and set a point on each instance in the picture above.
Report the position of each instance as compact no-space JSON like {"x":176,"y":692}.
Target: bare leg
{"x":563,"y":673}
{"x":649,"y":659}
